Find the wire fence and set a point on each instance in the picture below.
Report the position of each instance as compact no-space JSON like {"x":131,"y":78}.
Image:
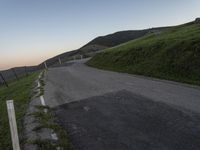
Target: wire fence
{"x":16,"y":74}
{"x":19,"y":72}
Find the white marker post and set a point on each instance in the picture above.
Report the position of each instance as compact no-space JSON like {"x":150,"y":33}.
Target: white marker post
{"x":45,"y":64}
{"x":13,"y":125}
{"x":60,"y":62}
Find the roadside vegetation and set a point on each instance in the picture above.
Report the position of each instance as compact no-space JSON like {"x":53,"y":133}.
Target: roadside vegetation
{"x":173,"y":54}
{"x":20,"y":92}
{"x":46,"y":119}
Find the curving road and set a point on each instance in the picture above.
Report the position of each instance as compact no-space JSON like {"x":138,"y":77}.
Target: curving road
{"x":108,"y":110}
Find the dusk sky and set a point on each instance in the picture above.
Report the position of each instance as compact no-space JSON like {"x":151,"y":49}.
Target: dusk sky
{"x":33,"y":30}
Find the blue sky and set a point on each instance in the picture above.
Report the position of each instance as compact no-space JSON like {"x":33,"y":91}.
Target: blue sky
{"x":34,"y":30}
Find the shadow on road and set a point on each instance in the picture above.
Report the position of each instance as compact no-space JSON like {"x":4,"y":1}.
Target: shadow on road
{"x":124,"y":121}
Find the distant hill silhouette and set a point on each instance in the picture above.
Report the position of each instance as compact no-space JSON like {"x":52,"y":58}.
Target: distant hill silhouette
{"x":118,"y":37}
{"x":101,"y":43}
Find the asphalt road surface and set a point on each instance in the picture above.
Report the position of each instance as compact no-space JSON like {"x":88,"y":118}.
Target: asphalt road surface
{"x":104,"y":110}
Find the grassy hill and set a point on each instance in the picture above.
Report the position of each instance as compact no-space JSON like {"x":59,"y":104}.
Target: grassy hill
{"x":100,"y":43}
{"x":172,"y":54}
{"x":121,"y":37}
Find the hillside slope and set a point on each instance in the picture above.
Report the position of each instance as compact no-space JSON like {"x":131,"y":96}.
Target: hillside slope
{"x":120,"y":37}
{"x":101,"y":43}
{"x":173,"y":54}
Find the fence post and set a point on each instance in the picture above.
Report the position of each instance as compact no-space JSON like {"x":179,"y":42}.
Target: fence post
{"x":3,"y":79}
{"x":15,"y":73}
{"x":26,"y":71}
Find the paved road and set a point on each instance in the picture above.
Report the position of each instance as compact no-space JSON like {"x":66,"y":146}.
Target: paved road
{"x":78,"y":81}
{"x":107,"y":110}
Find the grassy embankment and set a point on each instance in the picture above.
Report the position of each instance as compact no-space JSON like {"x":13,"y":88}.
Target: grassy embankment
{"x":173,"y":54}
{"x":20,"y":92}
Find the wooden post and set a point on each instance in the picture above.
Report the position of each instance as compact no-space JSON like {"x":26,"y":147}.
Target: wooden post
{"x":1,"y":82}
{"x":13,"y":125}
{"x":26,"y":71}
{"x":4,"y":81}
{"x":15,"y":73}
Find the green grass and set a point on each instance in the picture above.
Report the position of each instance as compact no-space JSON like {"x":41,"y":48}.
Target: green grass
{"x":20,"y":92}
{"x":174,"y":54}
{"x":47,"y":120}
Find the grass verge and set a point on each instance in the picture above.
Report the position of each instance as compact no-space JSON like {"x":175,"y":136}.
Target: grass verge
{"x":20,"y":92}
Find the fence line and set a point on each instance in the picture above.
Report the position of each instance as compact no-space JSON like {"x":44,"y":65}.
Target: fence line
{"x":3,"y":81}
{"x":16,"y":73}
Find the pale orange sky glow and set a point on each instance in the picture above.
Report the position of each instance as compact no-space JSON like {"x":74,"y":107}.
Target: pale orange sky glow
{"x":29,"y":53}
{"x":28,"y":59}
{"x":32,"y":31}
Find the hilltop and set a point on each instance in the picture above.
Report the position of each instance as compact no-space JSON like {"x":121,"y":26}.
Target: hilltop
{"x":101,"y":43}
{"x":172,"y":54}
